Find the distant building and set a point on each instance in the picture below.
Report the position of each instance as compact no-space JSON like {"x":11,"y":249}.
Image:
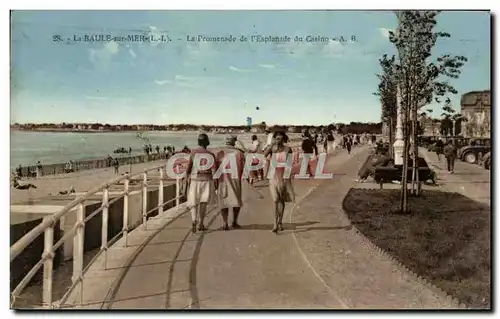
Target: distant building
{"x":257,"y":128}
{"x":293,"y":129}
{"x":475,"y":107}
{"x":431,"y":126}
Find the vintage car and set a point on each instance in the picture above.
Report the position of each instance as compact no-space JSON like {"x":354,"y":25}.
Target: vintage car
{"x":427,"y":141}
{"x":487,"y":160}
{"x":472,"y":152}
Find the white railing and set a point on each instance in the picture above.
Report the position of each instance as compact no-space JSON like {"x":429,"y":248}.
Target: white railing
{"x":77,"y":232}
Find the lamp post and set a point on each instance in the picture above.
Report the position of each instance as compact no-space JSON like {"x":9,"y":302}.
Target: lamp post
{"x":399,"y":144}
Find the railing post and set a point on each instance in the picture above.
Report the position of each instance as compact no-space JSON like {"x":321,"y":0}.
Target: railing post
{"x":125,"y":211}
{"x":160,"y":193}
{"x":78,"y":242}
{"x":144,"y":199}
{"x":105,"y":221}
{"x":48,"y":255}
{"x":177,"y":191}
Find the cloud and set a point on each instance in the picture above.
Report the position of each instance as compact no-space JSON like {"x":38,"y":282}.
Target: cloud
{"x":100,"y":98}
{"x":156,"y":34}
{"x":267,"y":66}
{"x":183,"y":78}
{"x":198,"y":51}
{"x":192,"y":81}
{"x":132,"y":53}
{"x":187,"y":81}
{"x":235,"y":69}
{"x":162,"y":82}
{"x":333,"y":49}
{"x":102,"y":56}
{"x":385,"y":32}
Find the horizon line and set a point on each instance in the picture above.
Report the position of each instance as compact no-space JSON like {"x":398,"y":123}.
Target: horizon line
{"x":187,"y":124}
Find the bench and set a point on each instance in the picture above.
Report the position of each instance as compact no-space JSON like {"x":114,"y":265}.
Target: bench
{"x":388,"y":174}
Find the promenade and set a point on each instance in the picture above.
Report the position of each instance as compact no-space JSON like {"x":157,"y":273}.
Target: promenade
{"x":318,"y":262}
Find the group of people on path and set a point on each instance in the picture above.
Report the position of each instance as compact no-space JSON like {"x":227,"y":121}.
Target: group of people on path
{"x":226,"y":191}
{"x":167,"y":150}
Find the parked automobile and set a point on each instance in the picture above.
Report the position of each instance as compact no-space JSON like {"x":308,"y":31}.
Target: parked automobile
{"x":470,"y":153}
{"x":427,"y":141}
{"x":487,"y":160}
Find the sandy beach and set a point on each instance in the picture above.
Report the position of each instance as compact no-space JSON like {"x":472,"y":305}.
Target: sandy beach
{"x":80,"y":181}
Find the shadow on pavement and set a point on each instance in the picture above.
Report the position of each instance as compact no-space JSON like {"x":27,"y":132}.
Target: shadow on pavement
{"x":270,"y":226}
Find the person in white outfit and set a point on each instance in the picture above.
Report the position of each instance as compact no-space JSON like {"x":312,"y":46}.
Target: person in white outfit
{"x":269,"y":139}
{"x":255,"y":148}
{"x":201,"y":189}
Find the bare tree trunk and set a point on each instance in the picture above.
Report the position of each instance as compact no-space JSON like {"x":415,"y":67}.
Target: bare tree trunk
{"x":391,"y":138}
{"x":409,"y":149}
{"x":404,"y":179}
{"x":415,"y":152}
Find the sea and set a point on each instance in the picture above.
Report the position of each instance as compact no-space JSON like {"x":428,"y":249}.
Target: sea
{"x":26,"y":148}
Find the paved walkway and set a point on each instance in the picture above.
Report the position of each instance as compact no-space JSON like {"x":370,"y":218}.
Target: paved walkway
{"x":317,"y":262}
{"x":470,"y":180}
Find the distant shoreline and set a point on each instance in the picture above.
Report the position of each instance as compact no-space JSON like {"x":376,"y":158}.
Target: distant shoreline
{"x":52,"y":130}
{"x":55,"y":130}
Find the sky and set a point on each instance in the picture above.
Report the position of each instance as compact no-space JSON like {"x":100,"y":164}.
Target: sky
{"x":58,"y":75}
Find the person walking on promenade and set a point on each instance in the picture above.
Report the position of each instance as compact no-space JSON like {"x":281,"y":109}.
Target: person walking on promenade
{"x":330,"y":142}
{"x":201,"y":186}
{"x":19,"y":171}
{"x":280,"y":186}
{"x":255,"y":148}
{"x":348,"y":144}
{"x":450,"y":152}
{"x":269,"y":137}
{"x":39,"y":168}
{"x":116,"y":165}
{"x":229,"y":189}
{"x":308,"y":147}
{"x":438,"y":148}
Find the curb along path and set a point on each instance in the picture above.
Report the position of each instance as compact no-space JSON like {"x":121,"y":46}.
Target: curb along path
{"x":361,"y":275}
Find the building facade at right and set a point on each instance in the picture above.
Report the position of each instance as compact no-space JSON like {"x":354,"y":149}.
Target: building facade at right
{"x":475,"y":108}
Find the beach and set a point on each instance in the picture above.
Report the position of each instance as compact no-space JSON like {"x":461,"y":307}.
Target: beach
{"x":82,"y":181}
{"x":26,"y":148}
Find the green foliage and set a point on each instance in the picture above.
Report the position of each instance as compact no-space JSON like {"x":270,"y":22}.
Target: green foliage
{"x":419,"y":75}
{"x":387,"y":88}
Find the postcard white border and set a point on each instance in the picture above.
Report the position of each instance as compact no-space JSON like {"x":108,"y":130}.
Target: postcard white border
{"x":185,"y":4}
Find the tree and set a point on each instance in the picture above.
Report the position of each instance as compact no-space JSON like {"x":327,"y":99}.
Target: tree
{"x":387,"y":91}
{"x":420,"y":77}
{"x":447,"y":122}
